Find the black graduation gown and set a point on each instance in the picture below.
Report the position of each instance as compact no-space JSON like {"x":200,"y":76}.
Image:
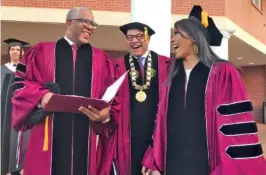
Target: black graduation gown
{"x":9,"y":136}
{"x":186,"y":126}
{"x":142,"y":114}
{"x":71,"y":129}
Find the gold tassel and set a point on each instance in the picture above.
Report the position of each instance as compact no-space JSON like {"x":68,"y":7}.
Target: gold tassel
{"x":204,"y":19}
{"x":146,"y":35}
{"x":46,"y":136}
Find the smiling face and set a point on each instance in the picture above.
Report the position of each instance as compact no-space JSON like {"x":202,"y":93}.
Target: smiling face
{"x":136,"y":43}
{"x":182,"y":46}
{"x":82,"y":27}
{"x":14,"y":53}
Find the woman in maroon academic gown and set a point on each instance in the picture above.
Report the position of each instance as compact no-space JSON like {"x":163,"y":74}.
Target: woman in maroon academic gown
{"x":136,"y":120}
{"x":65,"y":143}
{"x":205,"y":124}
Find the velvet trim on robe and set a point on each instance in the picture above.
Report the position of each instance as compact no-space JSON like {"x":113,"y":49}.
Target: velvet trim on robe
{"x":228,"y":154}
{"x":70,"y":131}
{"x":38,"y":68}
{"x":186,"y":124}
{"x":9,"y":136}
{"x":6,"y":94}
{"x":123,"y":152}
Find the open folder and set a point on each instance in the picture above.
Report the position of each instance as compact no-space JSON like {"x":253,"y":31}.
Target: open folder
{"x":71,"y":103}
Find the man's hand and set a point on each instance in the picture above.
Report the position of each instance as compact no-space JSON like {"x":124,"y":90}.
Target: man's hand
{"x":146,"y":171}
{"x":45,"y":99}
{"x":96,"y":115}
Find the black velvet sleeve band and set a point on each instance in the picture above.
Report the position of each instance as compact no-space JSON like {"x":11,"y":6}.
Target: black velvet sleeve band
{"x":235,"y":129}
{"x":235,"y":108}
{"x":21,"y":68}
{"x":244,"y":151}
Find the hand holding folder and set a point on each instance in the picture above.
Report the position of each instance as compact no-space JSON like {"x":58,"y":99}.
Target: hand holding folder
{"x":71,"y":103}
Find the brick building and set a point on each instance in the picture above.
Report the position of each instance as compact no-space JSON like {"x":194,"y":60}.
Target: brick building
{"x":243,"y":23}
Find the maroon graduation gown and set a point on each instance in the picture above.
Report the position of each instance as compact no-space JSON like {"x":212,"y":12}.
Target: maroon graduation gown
{"x":123,"y":155}
{"x":37,"y":67}
{"x":232,"y":150}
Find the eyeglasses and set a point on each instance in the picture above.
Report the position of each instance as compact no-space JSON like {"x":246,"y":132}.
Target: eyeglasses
{"x":87,"y":22}
{"x":131,"y":37}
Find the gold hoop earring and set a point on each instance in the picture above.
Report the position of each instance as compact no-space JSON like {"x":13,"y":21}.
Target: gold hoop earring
{"x":196,"y":49}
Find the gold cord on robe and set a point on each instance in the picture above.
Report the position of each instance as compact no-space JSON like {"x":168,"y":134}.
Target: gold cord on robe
{"x":46,"y":134}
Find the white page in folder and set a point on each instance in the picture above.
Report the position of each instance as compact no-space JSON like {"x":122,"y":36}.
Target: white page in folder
{"x":112,"y":90}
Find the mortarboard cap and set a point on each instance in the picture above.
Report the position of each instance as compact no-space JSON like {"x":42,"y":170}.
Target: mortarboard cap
{"x":15,"y":42}
{"x":139,"y":26}
{"x":208,"y":23}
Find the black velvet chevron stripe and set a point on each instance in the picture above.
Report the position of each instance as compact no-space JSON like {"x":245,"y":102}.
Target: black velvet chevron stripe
{"x":21,"y":68}
{"x":17,"y":86}
{"x":16,"y":79}
{"x":245,"y":151}
{"x":235,"y":108}
{"x":239,"y":128}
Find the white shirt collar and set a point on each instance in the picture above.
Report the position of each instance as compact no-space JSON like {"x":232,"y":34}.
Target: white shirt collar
{"x":69,"y":41}
{"x":11,"y":67}
{"x":145,"y":55}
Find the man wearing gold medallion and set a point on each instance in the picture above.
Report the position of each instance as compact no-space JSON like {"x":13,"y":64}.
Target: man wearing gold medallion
{"x":139,"y":94}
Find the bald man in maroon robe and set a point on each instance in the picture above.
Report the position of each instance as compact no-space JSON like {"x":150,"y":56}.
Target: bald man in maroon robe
{"x":65,"y":143}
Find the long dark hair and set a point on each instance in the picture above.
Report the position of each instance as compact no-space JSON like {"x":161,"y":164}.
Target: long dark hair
{"x":196,"y":32}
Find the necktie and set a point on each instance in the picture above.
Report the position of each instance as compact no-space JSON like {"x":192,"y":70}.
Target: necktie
{"x":140,"y":60}
{"x":141,"y":65}
{"x":74,"y":51}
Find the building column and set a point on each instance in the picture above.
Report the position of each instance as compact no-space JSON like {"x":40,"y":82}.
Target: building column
{"x":156,"y":14}
{"x":223,"y":50}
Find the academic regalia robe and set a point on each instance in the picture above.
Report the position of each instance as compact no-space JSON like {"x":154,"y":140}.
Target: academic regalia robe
{"x":9,"y":136}
{"x":64,"y":143}
{"x":136,"y":119}
{"x":233,"y":146}
{"x":186,"y":125}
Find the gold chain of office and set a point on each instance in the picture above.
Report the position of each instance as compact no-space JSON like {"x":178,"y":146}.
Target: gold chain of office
{"x":134,"y":74}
